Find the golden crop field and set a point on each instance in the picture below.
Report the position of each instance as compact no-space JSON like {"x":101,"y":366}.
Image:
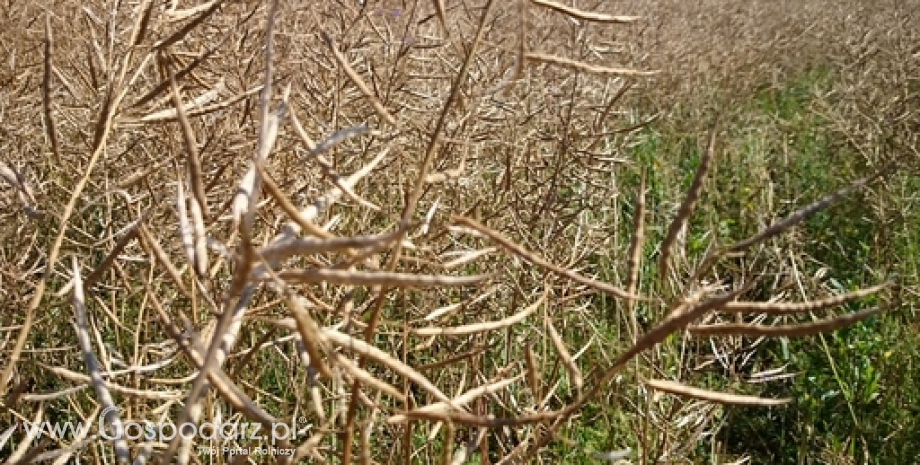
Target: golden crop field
{"x":451,"y":231}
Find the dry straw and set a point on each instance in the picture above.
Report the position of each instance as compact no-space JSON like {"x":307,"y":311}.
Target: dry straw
{"x":322,"y":251}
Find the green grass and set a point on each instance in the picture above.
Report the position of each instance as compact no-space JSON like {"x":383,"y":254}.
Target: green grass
{"x":854,"y":397}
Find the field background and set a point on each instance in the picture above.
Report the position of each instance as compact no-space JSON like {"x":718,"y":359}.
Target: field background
{"x":628,"y":167}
